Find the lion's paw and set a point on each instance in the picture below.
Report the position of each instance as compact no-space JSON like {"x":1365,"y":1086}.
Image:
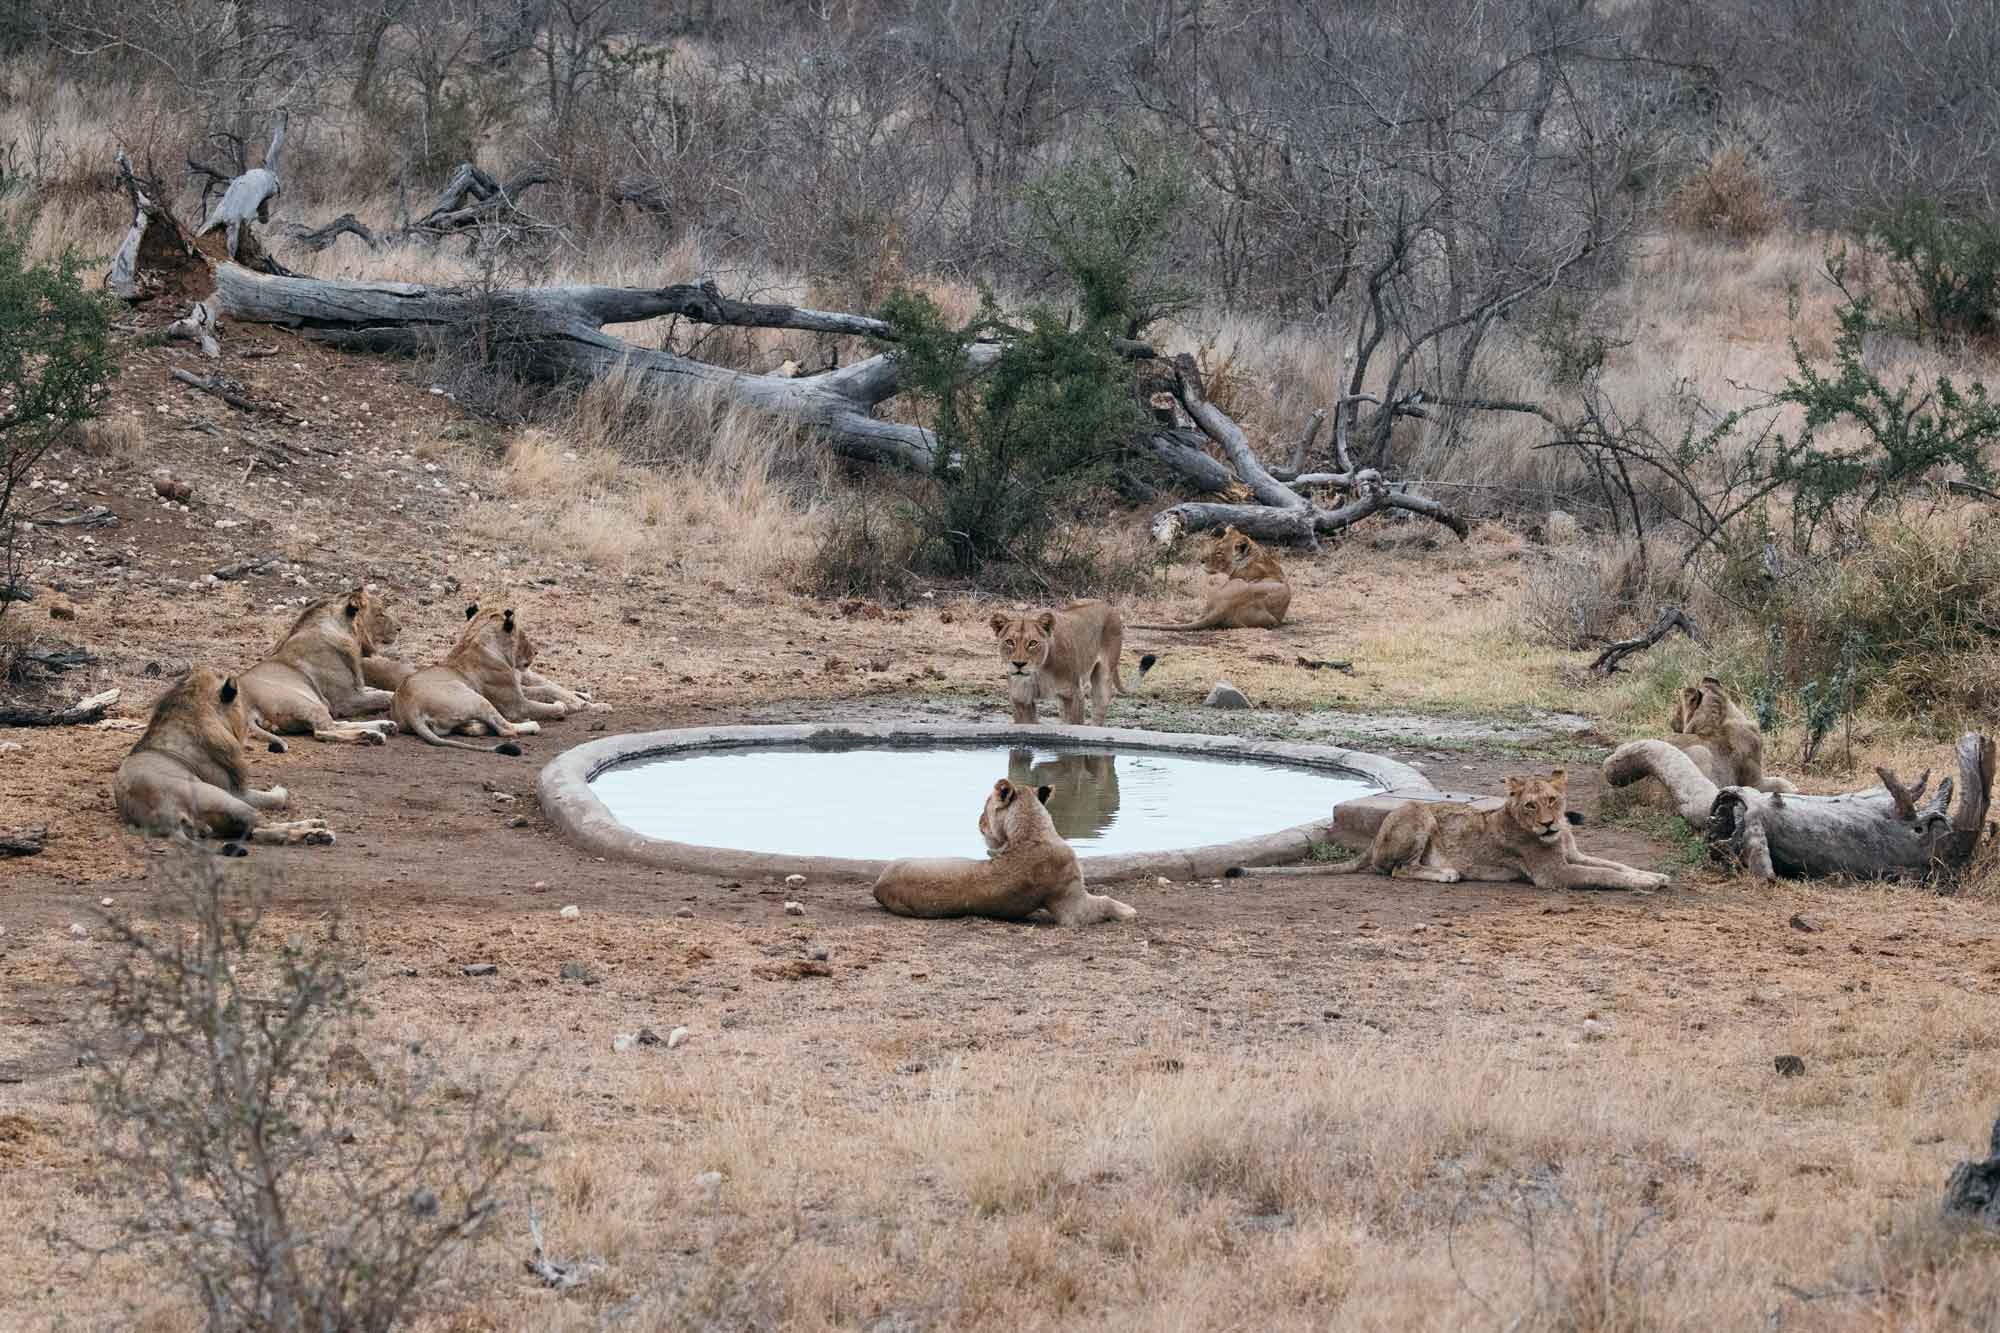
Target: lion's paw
{"x":278,"y":795}
{"x":1451,"y":877}
{"x":529,"y":728}
{"x":370,"y":737}
{"x":319,"y":837}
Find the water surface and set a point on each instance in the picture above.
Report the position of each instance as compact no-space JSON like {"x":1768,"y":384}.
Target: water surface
{"x":882,"y":803}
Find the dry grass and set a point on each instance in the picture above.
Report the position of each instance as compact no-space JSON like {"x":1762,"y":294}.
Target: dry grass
{"x":1728,"y":196}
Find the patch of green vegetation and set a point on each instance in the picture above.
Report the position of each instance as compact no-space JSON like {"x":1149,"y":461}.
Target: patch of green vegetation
{"x":1686,"y":850}
{"x":1329,"y":851}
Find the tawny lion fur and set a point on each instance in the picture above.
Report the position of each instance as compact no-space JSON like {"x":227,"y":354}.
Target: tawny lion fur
{"x":1711,"y":728}
{"x":484,"y":687}
{"x":317,"y":674}
{"x":1253,"y":593}
{"x":1528,"y":838}
{"x":1062,"y":653}
{"x":187,"y":775}
{"x":1028,"y":868}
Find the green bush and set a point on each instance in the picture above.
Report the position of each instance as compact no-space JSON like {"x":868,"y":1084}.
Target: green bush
{"x":1945,"y":266}
{"x":55,"y":359}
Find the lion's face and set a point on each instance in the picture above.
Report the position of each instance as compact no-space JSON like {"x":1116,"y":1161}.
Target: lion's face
{"x":1228,"y":551}
{"x":374,"y":627}
{"x":1539,"y":805}
{"x":996,"y":819}
{"x":1024,"y":647}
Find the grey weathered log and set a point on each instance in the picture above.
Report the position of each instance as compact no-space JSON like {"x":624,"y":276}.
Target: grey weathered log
{"x":1290,"y":475}
{"x":1181,"y":451}
{"x":1304,"y":525}
{"x":1973,"y":1190}
{"x":556,"y":334}
{"x":1229,"y":436}
{"x":227,"y":392}
{"x":23,"y":841}
{"x":1863,"y":833}
{"x":319,"y":238}
{"x":249,"y":196}
{"x":154,"y":233}
{"x":199,"y":326}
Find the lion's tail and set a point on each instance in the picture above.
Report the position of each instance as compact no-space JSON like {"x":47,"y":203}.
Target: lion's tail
{"x":1118,"y":676}
{"x":421,"y":725}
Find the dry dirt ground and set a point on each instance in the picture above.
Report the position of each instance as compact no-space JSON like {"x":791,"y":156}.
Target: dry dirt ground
{"x":1325,"y":1101}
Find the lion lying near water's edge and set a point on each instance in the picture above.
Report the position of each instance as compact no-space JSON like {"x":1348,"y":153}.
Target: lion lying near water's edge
{"x":1028,"y":868}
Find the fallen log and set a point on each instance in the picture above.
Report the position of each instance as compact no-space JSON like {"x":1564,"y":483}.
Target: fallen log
{"x":1671,"y":618}
{"x":76,"y":715}
{"x":1305,"y":525}
{"x":153,"y":246}
{"x":23,"y":841}
{"x":244,"y":569}
{"x":226,"y":390}
{"x":249,"y":196}
{"x":198,"y":326}
{"x":1879,"y":833}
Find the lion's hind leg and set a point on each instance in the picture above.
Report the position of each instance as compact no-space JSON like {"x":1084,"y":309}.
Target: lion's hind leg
{"x":1074,"y":905}
{"x":218,"y":814}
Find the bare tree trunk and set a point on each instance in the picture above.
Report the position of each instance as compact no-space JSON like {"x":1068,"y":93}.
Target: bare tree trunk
{"x":1879,"y":833}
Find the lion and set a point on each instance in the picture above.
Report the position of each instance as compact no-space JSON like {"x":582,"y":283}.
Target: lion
{"x":186,"y":775}
{"x":1086,"y":788}
{"x":1062,"y":653}
{"x":317,"y":674}
{"x":1028,"y":868}
{"x":1528,"y":838}
{"x":1253,"y":593}
{"x":1711,"y":728}
{"x":483,"y":687}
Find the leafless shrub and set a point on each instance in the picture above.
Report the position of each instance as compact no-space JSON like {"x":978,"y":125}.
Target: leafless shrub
{"x":1727,"y":196}
{"x":290,"y":1180}
{"x":1576,"y":595}
{"x":1589,"y":1264}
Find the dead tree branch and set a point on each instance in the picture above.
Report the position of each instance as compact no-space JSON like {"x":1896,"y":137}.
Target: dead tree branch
{"x":78,"y":714}
{"x":1671,"y":618}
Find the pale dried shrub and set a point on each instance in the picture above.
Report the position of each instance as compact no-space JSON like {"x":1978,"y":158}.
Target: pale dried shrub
{"x":1727,"y":196}
{"x":1576,"y":594}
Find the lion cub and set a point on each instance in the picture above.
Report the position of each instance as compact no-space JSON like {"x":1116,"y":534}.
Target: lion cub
{"x":1028,"y":868}
{"x":1253,"y":593}
{"x":186,"y":775}
{"x":1063,"y":653}
{"x":1711,"y":728}
{"x":1527,"y":838}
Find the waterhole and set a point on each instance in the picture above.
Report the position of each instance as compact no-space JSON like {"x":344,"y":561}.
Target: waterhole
{"x":880,"y":803}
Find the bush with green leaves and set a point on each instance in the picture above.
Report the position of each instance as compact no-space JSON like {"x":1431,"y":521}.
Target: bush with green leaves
{"x":1944,"y":264}
{"x":1018,"y":442}
{"x":55,"y":361}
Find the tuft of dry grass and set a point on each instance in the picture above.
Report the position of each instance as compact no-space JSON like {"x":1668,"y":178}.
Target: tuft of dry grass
{"x":1728,"y":196}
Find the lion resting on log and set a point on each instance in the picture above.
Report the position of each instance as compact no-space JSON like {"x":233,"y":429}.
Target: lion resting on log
{"x":1253,"y":593}
{"x":1711,"y":728}
{"x":186,"y":775}
{"x":318,"y":673}
{"x":1028,"y":868}
{"x":1527,"y":838}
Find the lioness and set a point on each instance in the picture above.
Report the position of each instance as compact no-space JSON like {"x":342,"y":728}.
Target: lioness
{"x":1253,"y":593}
{"x":1527,"y":838}
{"x":1711,"y":728}
{"x":315,"y":674}
{"x":186,"y":775}
{"x":1062,"y":653}
{"x":1028,"y":868}
{"x":483,"y":687}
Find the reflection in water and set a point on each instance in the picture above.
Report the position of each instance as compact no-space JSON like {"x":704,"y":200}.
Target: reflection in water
{"x":1085,"y":800}
{"x":902,"y":802}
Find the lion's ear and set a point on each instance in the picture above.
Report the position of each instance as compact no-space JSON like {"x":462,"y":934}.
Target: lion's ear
{"x":354,"y":610}
{"x":472,"y":611}
{"x":1005,"y":791}
{"x":1559,"y":778}
{"x":1045,"y":793}
{"x":1047,"y":620}
{"x":1514,"y":785}
{"x":1242,"y":548}
{"x":228,"y":691}
{"x":999,"y":623}
{"x":507,"y":621}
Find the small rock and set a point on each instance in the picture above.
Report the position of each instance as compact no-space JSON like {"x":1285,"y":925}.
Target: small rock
{"x":1789,"y":1066}
{"x":795,"y":880}
{"x":104,"y":902}
{"x":795,"y":909}
{"x":172,"y":488}
{"x":677,"y":1038}
{"x":1225,"y":695}
{"x":10,"y":747}
{"x":59,"y":609}
{"x":648,"y":1037}
{"x":539,"y":885}
{"x":686,"y":913}
{"x":709,"y":1183}
{"x":1595,"y":1030}
{"x":579,"y":972}
{"x":1807,"y":924}
{"x":1163,"y":882}
{"x":480,"y":969}
{"x":77,"y":932}
{"x":818,"y":953}
{"x":624,"y":1041}
{"x":570,"y":913}
{"x":518,"y":821}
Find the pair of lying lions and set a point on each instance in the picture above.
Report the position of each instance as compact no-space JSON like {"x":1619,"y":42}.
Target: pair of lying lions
{"x":187,"y":777}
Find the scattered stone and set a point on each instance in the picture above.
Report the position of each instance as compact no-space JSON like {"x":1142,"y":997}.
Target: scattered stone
{"x":77,"y":932}
{"x":795,"y":909}
{"x":797,"y":969}
{"x":1595,"y":1029}
{"x":685,"y":913}
{"x":795,"y":880}
{"x":10,"y":747}
{"x":624,"y":1041}
{"x":570,"y":913}
{"x":1807,"y":924}
{"x":648,"y":1037}
{"x":518,"y":821}
{"x":539,"y":885}
{"x":709,"y":1183}
{"x":1974,"y":1188}
{"x":61,"y":609}
{"x":104,"y":902}
{"x":1225,"y":695}
{"x":501,"y":798}
{"x":818,"y":953}
{"x":480,"y":969}
{"x":677,"y":1038}
{"x":579,"y":972}
{"x":1789,"y":1066}
{"x":1163,"y":882}
{"x":170,"y":487}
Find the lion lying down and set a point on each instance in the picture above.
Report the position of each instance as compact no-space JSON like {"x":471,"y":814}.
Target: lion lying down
{"x":1028,"y":868}
{"x":186,"y":775}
